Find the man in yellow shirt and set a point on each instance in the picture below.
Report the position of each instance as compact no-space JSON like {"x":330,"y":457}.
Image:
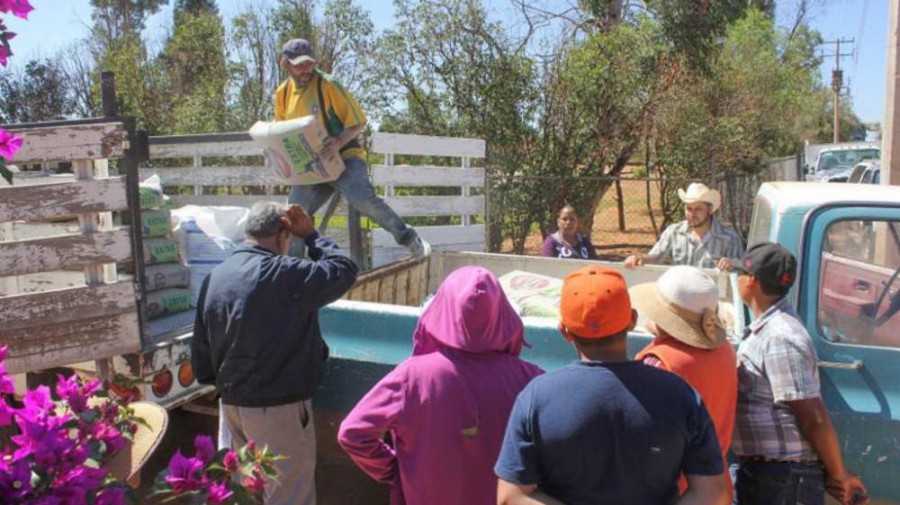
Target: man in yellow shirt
{"x":309,"y":91}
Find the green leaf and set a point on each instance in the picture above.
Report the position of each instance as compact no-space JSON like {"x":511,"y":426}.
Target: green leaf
{"x":5,"y":172}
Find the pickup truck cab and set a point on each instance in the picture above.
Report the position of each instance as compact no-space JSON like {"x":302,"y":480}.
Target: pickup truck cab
{"x":847,"y":242}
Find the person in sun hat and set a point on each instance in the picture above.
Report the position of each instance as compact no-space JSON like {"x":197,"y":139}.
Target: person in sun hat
{"x":125,"y":465}
{"x":783,"y":437}
{"x":700,"y":240}
{"x":682,"y":310}
{"x":308,"y":91}
{"x":446,"y":407}
{"x":606,"y":429}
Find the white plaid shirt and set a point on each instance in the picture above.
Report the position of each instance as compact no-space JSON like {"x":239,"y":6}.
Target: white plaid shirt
{"x":776,"y":364}
{"x":678,"y":243}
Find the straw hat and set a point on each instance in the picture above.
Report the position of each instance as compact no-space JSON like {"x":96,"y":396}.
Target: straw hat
{"x":127,"y":462}
{"x":698,"y":192}
{"x":684,"y":302}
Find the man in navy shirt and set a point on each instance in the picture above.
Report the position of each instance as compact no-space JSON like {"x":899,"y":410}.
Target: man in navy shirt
{"x":605,"y":429}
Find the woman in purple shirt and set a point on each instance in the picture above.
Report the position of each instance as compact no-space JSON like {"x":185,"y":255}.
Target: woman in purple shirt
{"x":567,"y":242}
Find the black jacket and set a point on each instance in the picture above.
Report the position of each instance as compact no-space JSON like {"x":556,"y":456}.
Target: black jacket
{"x":256,"y":335}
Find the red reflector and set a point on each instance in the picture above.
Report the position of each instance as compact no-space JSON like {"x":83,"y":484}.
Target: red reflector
{"x":162,"y":383}
{"x":185,"y":374}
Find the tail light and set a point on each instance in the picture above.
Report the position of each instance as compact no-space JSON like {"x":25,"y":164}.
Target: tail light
{"x":162,"y":383}
{"x":186,"y":374}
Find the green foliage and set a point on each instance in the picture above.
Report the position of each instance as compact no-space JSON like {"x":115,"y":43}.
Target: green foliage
{"x":196,"y":63}
{"x":37,"y":93}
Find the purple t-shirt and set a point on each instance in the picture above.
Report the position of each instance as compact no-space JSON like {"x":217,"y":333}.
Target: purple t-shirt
{"x":556,"y":247}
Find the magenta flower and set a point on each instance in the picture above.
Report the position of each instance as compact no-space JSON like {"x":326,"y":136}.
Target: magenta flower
{"x":74,"y":393}
{"x":9,"y":143}
{"x":218,"y":494}
{"x":6,"y":414}
{"x":15,"y":480}
{"x":110,"y":436}
{"x":112,"y":496}
{"x":184,"y":473}
{"x":255,"y":484}
{"x":230,"y":461}
{"x":205,"y":449}
{"x":19,"y":8}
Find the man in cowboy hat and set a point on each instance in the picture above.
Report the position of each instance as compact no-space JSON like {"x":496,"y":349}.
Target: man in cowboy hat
{"x":783,"y":437}
{"x":682,"y":310}
{"x":700,"y":240}
{"x":310,"y":92}
{"x":606,"y":429}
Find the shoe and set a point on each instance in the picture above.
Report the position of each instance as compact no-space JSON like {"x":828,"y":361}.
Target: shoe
{"x":419,"y":248}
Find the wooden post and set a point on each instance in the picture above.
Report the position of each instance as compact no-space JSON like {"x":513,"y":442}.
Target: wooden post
{"x":108,"y":94}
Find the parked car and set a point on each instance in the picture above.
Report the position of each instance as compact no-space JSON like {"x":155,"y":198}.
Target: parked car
{"x":872,"y":175}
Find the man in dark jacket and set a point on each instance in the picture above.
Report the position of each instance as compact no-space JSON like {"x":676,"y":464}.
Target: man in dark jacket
{"x":257,"y":338}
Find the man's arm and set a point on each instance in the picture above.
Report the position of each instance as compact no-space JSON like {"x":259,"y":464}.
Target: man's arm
{"x":815,"y":426}
{"x":659,"y":251}
{"x":333,"y":145}
{"x":517,"y":494}
{"x":704,"y":490}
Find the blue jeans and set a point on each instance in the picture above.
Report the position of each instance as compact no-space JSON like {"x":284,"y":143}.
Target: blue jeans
{"x":779,"y":483}
{"x":354,"y":184}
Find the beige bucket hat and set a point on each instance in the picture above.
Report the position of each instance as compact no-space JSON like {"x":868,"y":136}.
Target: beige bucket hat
{"x":127,"y":462}
{"x":684,"y":302}
{"x":698,"y":192}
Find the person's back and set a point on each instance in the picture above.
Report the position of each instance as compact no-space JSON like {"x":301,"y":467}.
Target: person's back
{"x":611,"y":433}
{"x":606,"y":429}
{"x":447,"y":406}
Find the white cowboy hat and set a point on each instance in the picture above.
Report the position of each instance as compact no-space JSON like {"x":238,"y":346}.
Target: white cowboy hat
{"x":684,"y":302}
{"x":698,"y":192}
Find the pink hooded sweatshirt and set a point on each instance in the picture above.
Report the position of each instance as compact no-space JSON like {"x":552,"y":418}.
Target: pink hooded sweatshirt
{"x":447,"y":406}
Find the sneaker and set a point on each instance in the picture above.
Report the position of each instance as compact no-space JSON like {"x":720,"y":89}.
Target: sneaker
{"x":419,"y":248}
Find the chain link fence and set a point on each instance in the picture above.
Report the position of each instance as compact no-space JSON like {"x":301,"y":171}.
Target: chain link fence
{"x":629,"y":215}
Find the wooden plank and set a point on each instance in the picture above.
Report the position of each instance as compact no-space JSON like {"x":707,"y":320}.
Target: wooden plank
{"x":437,"y":236}
{"x":386,"y":289}
{"x":232,"y":200}
{"x":419,"y":175}
{"x":71,"y":342}
{"x":245,"y":175}
{"x":436,"y":205}
{"x":401,"y":288}
{"x":62,"y":199}
{"x":70,"y":304}
{"x":64,"y":252}
{"x":75,"y":142}
{"x":190,"y":150}
{"x":421,"y":145}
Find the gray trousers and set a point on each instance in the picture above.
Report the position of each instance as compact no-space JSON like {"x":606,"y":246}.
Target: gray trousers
{"x":288,"y":431}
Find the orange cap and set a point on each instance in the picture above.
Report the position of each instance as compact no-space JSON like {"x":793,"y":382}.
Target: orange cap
{"x":594,"y":303}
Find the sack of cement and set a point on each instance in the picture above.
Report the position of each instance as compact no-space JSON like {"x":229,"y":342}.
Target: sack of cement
{"x":292,"y":149}
{"x":155,"y":223}
{"x":168,"y":301}
{"x":160,"y":250}
{"x":537,"y":295}
{"x":166,"y":275}
{"x":151,"y":194}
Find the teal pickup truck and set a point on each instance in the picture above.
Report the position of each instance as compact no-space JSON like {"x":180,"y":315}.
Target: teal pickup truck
{"x":847,"y":240}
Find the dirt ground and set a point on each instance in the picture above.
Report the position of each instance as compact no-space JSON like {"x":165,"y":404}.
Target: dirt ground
{"x":610,"y":242}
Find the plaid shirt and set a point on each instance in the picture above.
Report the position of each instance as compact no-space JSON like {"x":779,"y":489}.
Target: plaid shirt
{"x":677,"y":243}
{"x":776,"y":364}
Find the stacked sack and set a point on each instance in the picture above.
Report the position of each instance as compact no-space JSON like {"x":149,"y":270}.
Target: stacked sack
{"x":166,"y":279}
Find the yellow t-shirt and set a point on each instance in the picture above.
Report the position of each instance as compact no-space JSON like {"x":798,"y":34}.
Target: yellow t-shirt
{"x":341,"y":109}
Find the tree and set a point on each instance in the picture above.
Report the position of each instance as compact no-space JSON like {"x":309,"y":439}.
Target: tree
{"x":196,"y":7}
{"x":118,"y":19}
{"x":196,"y":63}
{"x":38,"y":93}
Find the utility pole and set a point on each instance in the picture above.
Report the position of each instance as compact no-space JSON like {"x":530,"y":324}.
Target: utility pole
{"x":837,"y":82}
{"x":890,"y":131}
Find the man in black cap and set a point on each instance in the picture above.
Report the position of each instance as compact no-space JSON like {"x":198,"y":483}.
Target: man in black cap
{"x":310,"y":92}
{"x":784,"y":439}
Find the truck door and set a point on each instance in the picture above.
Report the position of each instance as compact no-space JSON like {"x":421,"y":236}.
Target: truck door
{"x":850,"y":300}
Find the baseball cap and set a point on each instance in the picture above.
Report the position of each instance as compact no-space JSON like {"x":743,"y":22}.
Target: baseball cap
{"x":769,"y":262}
{"x":594,"y":303}
{"x":297,"y":51}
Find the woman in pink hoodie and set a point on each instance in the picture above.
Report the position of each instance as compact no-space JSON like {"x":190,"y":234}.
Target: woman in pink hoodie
{"x":447,"y":406}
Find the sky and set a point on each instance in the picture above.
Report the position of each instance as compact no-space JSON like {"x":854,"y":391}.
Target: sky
{"x":54,"y":24}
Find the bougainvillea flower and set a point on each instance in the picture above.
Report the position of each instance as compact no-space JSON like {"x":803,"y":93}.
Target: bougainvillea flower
{"x":9,"y":143}
{"x":205,"y":449}
{"x":184,"y":473}
{"x":218,"y":493}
